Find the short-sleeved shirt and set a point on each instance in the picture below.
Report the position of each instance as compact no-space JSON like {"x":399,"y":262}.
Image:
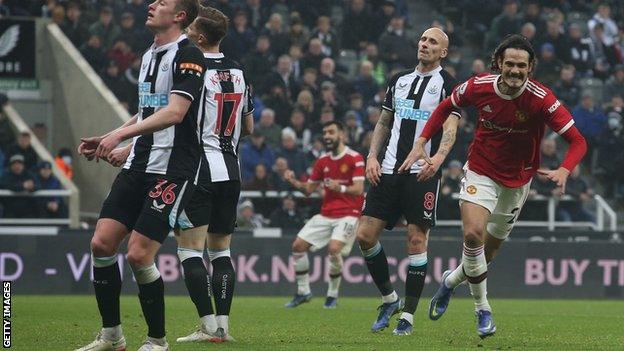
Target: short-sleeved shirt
{"x":174,"y":68}
{"x":506,"y":146}
{"x":412,"y":97}
{"x":345,"y":169}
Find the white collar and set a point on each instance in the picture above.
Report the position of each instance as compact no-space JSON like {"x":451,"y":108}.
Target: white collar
{"x":167,"y":46}
{"x":213,"y":55}
{"x":509,"y":97}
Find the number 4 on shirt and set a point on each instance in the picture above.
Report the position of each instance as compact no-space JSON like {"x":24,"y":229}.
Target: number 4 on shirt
{"x":221,"y":98}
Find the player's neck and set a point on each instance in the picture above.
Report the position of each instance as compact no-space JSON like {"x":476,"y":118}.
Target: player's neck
{"x":506,"y":89}
{"x":210,"y":49}
{"x":167,"y":36}
{"x":425,"y":67}
{"x":339,"y":150}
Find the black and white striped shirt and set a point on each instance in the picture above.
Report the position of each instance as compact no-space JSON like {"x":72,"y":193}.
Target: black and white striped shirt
{"x":412,"y":96}
{"x":173,"y":68}
{"x":226,"y":99}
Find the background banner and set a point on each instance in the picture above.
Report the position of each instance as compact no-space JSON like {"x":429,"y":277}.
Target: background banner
{"x":61,"y":264}
{"x":17,"y":48}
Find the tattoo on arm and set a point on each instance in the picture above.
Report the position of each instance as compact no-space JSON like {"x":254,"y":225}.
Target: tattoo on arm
{"x":381,"y":132}
{"x":449,"y":133}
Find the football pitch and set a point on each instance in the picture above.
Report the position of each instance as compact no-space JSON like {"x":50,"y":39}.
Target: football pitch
{"x":261,"y":323}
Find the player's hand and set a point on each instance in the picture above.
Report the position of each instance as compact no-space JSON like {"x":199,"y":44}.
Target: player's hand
{"x":332,"y":185}
{"x":417,"y":153}
{"x":559,"y":176}
{"x":373,"y":170}
{"x":88,"y":146}
{"x":428,"y":170}
{"x":118,"y":156}
{"x":107,"y":145}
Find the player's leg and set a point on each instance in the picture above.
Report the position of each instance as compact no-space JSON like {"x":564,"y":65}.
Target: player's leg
{"x":340,"y":245}
{"x":314,"y":234}
{"x":457,"y":276}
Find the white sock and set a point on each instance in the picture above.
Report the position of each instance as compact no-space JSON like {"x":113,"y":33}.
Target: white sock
{"x":209,"y":322}
{"x":158,"y":341}
{"x":112,"y":333}
{"x":335,"y":275}
{"x":475,"y":265}
{"x":408,"y":317}
{"x":390,"y":298}
{"x":223,"y":322}
{"x":456,"y":277}
{"x":302,"y":272}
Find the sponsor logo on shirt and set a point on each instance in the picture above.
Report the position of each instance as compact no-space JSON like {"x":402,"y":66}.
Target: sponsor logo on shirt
{"x":493,"y":126}
{"x":404,"y":109}
{"x":554,"y":106}
{"x":191,"y":68}
{"x":149,"y":99}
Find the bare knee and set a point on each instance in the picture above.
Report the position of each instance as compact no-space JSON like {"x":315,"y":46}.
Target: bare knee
{"x":139,"y":257}
{"x":334,"y":249}
{"x":417,"y":239}
{"x":102,"y":248}
{"x":473,"y":237}
{"x":300,"y":246}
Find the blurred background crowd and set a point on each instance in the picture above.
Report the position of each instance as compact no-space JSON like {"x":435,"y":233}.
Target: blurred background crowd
{"x":314,"y":61}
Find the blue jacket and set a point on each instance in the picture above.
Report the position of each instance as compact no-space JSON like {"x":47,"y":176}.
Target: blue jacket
{"x":590,"y":123}
{"x":251,"y":156}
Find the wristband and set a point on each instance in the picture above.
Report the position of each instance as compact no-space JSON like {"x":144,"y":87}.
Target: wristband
{"x":343,"y":188}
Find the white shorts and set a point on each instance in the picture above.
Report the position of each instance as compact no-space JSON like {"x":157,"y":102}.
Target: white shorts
{"x":319,"y":230}
{"x":503,"y":203}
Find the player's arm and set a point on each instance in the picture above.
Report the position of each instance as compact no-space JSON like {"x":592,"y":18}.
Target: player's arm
{"x":88,"y":146}
{"x":380,"y":135}
{"x":306,"y":188}
{"x":356,"y":189}
{"x":449,"y":133}
{"x":248,"y":109}
{"x":248,"y":125}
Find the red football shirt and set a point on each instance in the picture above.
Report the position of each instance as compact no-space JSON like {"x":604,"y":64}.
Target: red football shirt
{"x":344,"y":168}
{"x":509,"y":129}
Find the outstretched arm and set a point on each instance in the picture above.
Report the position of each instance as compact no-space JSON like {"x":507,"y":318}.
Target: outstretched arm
{"x":449,"y":133}
{"x":306,"y":188}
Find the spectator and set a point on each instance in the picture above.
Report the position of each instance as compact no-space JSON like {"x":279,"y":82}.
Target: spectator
{"x":314,"y":55}
{"x":327,"y":114}
{"x":23,"y":148}
{"x":356,"y":105}
{"x":529,"y":31}
{"x":49,"y":207}
{"x":113,"y":79}
{"x":356,"y":26}
{"x":599,"y":52}
{"x":272,"y":132}
{"x":247,"y":219}
{"x":260,"y":62}
{"x":4,"y":10}
{"x":64,"y":161}
{"x":20,"y":180}
{"x":305,"y":103}
{"x":298,"y":35}
{"x":260,"y":180}
{"x":292,"y":154}
{"x":395,"y":48}
{"x":283,"y":77}
{"x":507,"y":22}
{"x":279,"y":102}
{"x":615,"y":84}
{"x":105,"y":28}
{"x":73,"y":27}
{"x":138,"y":9}
{"x":379,"y":67}
{"x":533,"y":14}
{"x":287,"y":217}
{"x":295,"y":61}
{"x":318,"y":149}
{"x":353,"y":131}
{"x":278,"y":180}
{"x":329,"y":98}
{"x":7,"y":137}
{"x":40,"y":130}
{"x":240,"y":38}
{"x":582,"y":194}
{"x":382,"y":18}
{"x":298,"y":126}
{"x":134,"y":37}
{"x":451,"y":183}
{"x":477,"y":67}
{"x":580,"y":54}
{"x":554,"y":36}
{"x":372,"y":117}
{"x":58,"y":15}
{"x":223,"y":6}
{"x":327,"y":36}
{"x":328,"y":74}
{"x":365,"y":83}
{"x":549,"y":158}
{"x":609,"y":34}
{"x":94,"y":54}
{"x":566,"y":88}
{"x":122,"y":54}
{"x":254,"y":152}
{"x":309,"y":81}
{"x":549,"y":65}
{"x":280,"y":42}
{"x":256,"y":14}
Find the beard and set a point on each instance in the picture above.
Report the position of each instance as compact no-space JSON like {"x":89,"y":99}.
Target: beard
{"x":332,"y":146}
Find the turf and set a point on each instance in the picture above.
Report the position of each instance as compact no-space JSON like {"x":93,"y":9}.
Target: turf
{"x":261,"y":323}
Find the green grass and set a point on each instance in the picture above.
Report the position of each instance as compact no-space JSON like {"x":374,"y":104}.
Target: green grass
{"x":261,"y":323}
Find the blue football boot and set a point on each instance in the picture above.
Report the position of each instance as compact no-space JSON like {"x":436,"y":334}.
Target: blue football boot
{"x":485,"y":324}
{"x":298,"y":300}
{"x":331,"y":302}
{"x":386,"y":310}
{"x":440,"y":301}
{"x":403,"y":328}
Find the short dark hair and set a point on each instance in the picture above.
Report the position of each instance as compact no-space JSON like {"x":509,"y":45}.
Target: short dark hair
{"x":513,"y":41}
{"x":213,"y":24}
{"x":191,"y":8}
{"x":338,"y":124}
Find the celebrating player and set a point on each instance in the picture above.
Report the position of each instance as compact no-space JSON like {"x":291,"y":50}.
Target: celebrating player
{"x":410,"y":98}
{"x":225,"y":116}
{"x":157,"y":178}
{"x":341,"y":170}
{"x":502,"y":159}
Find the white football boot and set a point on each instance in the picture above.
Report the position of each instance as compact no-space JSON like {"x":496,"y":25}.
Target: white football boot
{"x":101,"y":344}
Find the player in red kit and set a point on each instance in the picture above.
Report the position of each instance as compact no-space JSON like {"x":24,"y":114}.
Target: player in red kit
{"x":341,"y":171}
{"x":503,"y":157}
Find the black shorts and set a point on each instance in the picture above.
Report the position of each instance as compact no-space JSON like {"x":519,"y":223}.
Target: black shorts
{"x":147,"y":203}
{"x":403,"y":194}
{"x":212,"y":204}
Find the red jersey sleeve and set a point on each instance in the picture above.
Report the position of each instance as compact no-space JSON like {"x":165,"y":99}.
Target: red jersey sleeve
{"x":358,"y":168}
{"x":556,"y":116}
{"x":462,"y":95}
{"x":317,"y":171}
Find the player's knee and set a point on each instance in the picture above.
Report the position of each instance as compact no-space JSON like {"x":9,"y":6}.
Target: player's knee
{"x":334,"y":249}
{"x":365,"y":238}
{"x":417,"y":243}
{"x":102,"y":248}
{"x":473,"y":237}
{"x":138,"y":257}
{"x":299,"y":246}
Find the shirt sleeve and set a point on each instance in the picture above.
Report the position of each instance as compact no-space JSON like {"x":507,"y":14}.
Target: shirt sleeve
{"x":359,"y":168}
{"x":388,"y":103}
{"x":556,"y":116}
{"x":188,"y":76}
{"x":317,"y":172}
{"x":462,"y":95}
{"x":449,"y":84}
{"x":248,"y":106}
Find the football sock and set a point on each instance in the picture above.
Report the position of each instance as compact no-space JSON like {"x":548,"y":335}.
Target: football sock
{"x":377,"y":264}
{"x":302,"y":272}
{"x":107,"y":285}
{"x":408,"y":317}
{"x":223,"y":277}
{"x":475,"y":268}
{"x":196,"y":280}
{"x":456,"y":277}
{"x":335,"y":274}
{"x":223,"y":322}
{"x":416,"y":273}
{"x":152,"y":298}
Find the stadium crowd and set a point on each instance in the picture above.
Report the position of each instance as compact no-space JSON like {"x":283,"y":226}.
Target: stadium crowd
{"x":318,"y":60}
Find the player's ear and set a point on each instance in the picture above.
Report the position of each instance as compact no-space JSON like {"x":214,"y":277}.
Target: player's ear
{"x":444,"y":53}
